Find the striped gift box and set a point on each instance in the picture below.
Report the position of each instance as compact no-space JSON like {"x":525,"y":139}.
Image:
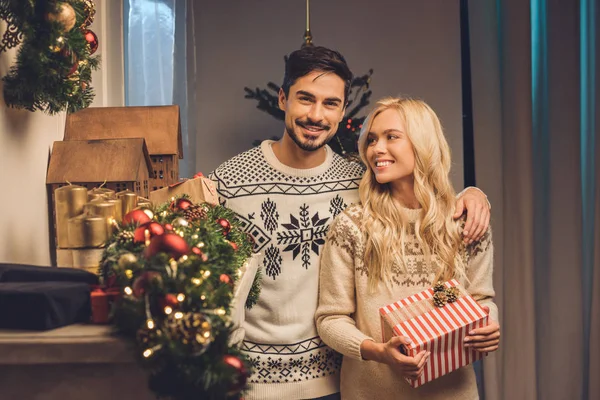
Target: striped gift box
{"x":439,"y":330}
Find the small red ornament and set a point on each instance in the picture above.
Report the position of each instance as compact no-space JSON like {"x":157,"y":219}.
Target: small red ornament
{"x":225,"y":225}
{"x":142,"y":282}
{"x":169,"y":300}
{"x":239,"y":381}
{"x":170,"y":243}
{"x":181,"y":204}
{"x":136,"y":217}
{"x":91,"y":39}
{"x":169,"y":227}
{"x":199,"y":252}
{"x":225,"y":279}
{"x":153,"y":228}
{"x":233,"y":245}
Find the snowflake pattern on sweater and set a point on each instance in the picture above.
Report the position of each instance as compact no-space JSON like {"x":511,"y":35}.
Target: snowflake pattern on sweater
{"x":288,"y":213}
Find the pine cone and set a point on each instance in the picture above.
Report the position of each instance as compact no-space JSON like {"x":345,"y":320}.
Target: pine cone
{"x":195,"y":213}
{"x":124,"y":238}
{"x":452,"y":294}
{"x":191,"y":329}
{"x":440,"y":299}
{"x":439,"y":287}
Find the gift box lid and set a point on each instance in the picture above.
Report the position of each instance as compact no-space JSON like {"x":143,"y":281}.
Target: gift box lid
{"x":159,"y":125}
{"x":113,"y":160}
{"x":418,"y":318}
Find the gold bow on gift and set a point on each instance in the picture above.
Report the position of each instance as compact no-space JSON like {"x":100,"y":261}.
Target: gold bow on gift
{"x":443,"y":295}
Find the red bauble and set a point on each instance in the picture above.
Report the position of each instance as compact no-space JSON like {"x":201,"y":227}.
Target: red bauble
{"x":91,"y":39}
{"x":225,"y":225}
{"x":153,"y":228}
{"x":168,"y":227}
{"x":170,"y":243}
{"x":169,"y":300}
{"x":136,"y":217}
{"x":141,"y":282}
{"x":226,"y":279}
{"x":233,"y":245}
{"x":181,"y":204}
{"x":242,"y":374}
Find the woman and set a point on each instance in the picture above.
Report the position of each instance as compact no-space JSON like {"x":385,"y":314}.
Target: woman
{"x":397,"y":242}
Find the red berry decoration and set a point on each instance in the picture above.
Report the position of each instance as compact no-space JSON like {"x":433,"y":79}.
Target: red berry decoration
{"x":169,"y":243}
{"x":242,"y":374}
{"x":153,"y":228}
{"x":136,"y":217}
{"x":225,"y":225}
{"x":91,"y":39}
{"x":168,"y":227}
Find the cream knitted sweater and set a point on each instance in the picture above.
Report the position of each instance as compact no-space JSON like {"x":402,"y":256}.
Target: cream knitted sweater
{"x":287,"y":211}
{"x":348,"y":313}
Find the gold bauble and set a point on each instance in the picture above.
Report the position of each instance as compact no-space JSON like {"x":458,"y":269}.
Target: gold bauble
{"x":65,"y":15}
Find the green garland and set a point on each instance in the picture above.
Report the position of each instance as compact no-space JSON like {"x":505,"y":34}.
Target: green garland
{"x":54,"y":64}
{"x":174,"y":303}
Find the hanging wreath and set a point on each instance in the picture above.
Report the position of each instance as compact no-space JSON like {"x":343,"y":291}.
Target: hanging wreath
{"x":54,"y":64}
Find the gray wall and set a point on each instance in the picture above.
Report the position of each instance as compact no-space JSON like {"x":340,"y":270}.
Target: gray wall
{"x":413,"y":47}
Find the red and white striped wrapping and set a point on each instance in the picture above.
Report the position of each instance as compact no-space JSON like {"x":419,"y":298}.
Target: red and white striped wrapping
{"x":439,"y":330}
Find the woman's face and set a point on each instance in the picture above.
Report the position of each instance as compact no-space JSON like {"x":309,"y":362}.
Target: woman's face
{"x":389,"y":152}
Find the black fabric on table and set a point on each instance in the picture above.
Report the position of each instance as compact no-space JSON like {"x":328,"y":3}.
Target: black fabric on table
{"x":34,"y":273}
{"x":43,"y":305}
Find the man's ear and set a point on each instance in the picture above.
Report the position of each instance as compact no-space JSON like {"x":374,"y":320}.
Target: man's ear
{"x":282,"y":100}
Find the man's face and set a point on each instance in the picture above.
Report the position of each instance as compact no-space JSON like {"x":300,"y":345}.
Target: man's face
{"x":313,"y":109}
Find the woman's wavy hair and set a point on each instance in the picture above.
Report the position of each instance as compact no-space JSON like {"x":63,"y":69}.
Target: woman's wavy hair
{"x":384,"y":222}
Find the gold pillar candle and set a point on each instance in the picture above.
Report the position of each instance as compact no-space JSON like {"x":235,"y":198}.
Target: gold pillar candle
{"x":68,"y":203}
{"x":104,"y":192}
{"x":143,"y":203}
{"x":87,"y":231}
{"x":118,"y":209}
{"x":105,"y":210}
{"x":128,"y":200}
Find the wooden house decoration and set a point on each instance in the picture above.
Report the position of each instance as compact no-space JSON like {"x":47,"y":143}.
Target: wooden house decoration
{"x":117,"y":164}
{"x":158,"y":125}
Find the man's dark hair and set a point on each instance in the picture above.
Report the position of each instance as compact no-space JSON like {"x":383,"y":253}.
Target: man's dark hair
{"x":316,"y":58}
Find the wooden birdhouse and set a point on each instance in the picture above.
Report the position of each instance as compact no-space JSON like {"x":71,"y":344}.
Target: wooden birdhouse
{"x":158,"y":125}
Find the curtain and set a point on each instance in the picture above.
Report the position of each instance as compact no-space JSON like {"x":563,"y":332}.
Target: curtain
{"x":159,"y":62}
{"x":539,"y":104}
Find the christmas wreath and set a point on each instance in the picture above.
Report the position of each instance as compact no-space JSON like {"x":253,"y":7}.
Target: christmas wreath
{"x":54,"y":64}
{"x":175,"y":270}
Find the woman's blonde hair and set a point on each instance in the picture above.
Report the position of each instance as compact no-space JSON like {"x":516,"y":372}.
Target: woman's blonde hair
{"x":385,"y":223}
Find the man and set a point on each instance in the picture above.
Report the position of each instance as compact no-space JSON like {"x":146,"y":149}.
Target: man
{"x":286,"y":193}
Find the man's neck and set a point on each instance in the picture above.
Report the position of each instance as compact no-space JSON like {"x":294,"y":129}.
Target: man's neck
{"x":288,"y":153}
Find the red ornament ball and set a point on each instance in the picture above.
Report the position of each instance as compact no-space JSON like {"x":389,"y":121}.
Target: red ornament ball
{"x":233,"y":245}
{"x":142,"y":282}
{"x":168,"y":227}
{"x":225,"y":279}
{"x":169,"y":243}
{"x":242,"y":374}
{"x":169,"y":300}
{"x":181,"y":204}
{"x":225,"y":225}
{"x":136,"y":217}
{"x":91,"y":39}
{"x":153,"y":228}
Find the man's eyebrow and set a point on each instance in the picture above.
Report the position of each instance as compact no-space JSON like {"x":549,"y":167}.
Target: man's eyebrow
{"x":312,"y":96}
